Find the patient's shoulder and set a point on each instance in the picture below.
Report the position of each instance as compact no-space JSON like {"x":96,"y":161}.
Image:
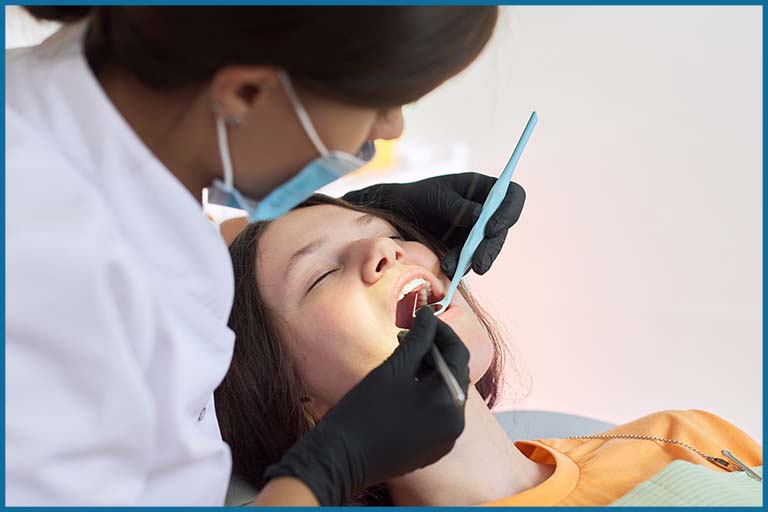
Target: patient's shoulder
{"x":703,"y":430}
{"x":680,"y":420}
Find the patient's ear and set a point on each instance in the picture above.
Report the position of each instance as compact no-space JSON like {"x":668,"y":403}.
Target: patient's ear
{"x":230,"y":228}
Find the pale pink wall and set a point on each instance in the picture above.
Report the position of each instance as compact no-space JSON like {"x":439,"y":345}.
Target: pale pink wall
{"x":633,"y":281}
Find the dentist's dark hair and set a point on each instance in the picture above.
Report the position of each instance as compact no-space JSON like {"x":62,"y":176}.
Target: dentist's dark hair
{"x":262,"y":405}
{"x":371,"y":56}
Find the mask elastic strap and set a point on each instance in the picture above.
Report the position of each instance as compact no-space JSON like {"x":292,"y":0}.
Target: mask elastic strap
{"x":226,"y":160}
{"x":306,"y":122}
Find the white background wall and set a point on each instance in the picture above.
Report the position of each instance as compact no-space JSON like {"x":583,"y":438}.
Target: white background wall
{"x":632,"y":283}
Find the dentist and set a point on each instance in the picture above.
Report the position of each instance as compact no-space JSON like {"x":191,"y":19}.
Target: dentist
{"x":119,"y":289}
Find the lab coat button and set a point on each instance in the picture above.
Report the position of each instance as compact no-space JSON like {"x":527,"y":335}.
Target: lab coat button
{"x":201,"y":415}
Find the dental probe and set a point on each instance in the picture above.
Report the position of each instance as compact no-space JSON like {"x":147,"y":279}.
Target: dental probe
{"x":492,"y":202}
{"x":458,"y":395}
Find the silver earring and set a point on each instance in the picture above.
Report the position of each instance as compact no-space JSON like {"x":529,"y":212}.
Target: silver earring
{"x":234,"y":119}
{"x":229,"y":119}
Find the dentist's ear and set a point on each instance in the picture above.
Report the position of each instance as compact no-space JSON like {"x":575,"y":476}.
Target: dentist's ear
{"x":237,"y":90}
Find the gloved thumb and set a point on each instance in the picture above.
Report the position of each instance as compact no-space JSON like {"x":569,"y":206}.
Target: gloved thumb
{"x":457,"y":210}
{"x":454,"y":352}
{"x":486,"y":253}
{"x":408,"y":357}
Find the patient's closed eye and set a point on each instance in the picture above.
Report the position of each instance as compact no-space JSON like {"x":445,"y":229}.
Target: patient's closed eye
{"x":317,"y":281}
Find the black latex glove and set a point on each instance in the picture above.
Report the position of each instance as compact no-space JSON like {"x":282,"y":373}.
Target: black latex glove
{"x":447,"y":208}
{"x":389,"y":424}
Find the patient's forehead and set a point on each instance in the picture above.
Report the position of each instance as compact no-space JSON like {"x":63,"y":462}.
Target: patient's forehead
{"x":299,"y":227}
{"x":294,"y":230}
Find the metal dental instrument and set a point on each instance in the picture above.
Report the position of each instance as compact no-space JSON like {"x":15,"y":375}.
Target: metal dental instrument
{"x":458,"y":395}
{"x":492,"y":202}
{"x":445,"y":372}
{"x":742,"y":466}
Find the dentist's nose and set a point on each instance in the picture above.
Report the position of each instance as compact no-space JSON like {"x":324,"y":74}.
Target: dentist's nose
{"x":389,"y":125}
{"x":379,"y":255}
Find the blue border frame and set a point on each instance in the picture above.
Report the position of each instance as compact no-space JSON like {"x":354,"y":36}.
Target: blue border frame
{"x":2,"y":280}
{"x":369,"y":2}
{"x":393,"y":2}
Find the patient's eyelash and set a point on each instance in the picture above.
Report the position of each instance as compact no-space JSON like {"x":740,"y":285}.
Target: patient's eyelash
{"x":317,"y":281}
{"x":396,"y":237}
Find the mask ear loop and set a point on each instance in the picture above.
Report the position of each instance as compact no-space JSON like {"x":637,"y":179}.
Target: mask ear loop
{"x":226,"y":160}
{"x":306,"y":122}
{"x":221,"y":130}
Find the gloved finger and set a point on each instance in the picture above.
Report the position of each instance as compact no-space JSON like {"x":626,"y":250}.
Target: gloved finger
{"x":453,"y":208}
{"x":427,"y":363}
{"x":508,"y":212}
{"x":449,"y":262}
{"x":408,"y":357}
{"x":434,"y":379}
{"x":487,"y":252}
{"x":454,"y":352}
{"x":473,"y":186}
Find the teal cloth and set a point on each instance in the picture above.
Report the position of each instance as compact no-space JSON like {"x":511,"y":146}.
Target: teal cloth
{"x":684,"y":484}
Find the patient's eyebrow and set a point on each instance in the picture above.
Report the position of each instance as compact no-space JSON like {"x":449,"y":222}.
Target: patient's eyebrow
{"x":304,"y":251}
{"x":366,"y":219}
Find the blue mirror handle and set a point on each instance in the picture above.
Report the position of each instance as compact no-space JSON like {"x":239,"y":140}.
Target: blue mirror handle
{"x":492,"y":202}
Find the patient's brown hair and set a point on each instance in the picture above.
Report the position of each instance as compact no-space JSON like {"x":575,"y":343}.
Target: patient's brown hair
{"x":262,"y":404}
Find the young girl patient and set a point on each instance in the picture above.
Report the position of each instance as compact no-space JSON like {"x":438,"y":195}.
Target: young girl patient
{"x":320,"y":296}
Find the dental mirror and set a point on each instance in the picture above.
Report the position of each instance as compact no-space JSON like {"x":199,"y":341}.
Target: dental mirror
{"x":492,"y":202}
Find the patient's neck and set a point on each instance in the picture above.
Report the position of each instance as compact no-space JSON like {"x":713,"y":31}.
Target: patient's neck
{"x":483,"y":466}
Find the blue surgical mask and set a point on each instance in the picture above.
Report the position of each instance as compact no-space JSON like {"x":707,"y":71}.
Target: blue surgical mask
{"x":328,"y":167}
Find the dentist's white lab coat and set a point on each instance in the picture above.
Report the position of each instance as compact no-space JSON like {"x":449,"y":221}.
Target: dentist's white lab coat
{"x":118,"y":294}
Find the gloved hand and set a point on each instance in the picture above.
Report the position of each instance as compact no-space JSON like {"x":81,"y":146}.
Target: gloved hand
{"x":447,"y":208}
{"x":389,"y":424}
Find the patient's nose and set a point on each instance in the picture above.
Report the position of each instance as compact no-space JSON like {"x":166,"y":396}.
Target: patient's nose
{"x":380,"y":254}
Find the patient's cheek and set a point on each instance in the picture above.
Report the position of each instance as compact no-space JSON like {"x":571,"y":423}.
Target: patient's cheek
{"x":419,"y":254}
{"x":311,"y":340}
{"x":334,"y":349}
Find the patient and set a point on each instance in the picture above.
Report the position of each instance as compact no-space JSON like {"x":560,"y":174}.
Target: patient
{"x":320,"y":295}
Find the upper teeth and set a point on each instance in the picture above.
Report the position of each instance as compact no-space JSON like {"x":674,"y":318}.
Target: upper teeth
{"x":412,"y":285}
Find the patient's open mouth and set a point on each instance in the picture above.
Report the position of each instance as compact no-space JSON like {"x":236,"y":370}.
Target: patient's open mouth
{"x":415,"y":294}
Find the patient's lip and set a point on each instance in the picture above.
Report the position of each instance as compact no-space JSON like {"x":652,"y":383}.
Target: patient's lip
{"x":451,"y":312}
{"x":436,"y":307}
{"x":414,"y":272}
